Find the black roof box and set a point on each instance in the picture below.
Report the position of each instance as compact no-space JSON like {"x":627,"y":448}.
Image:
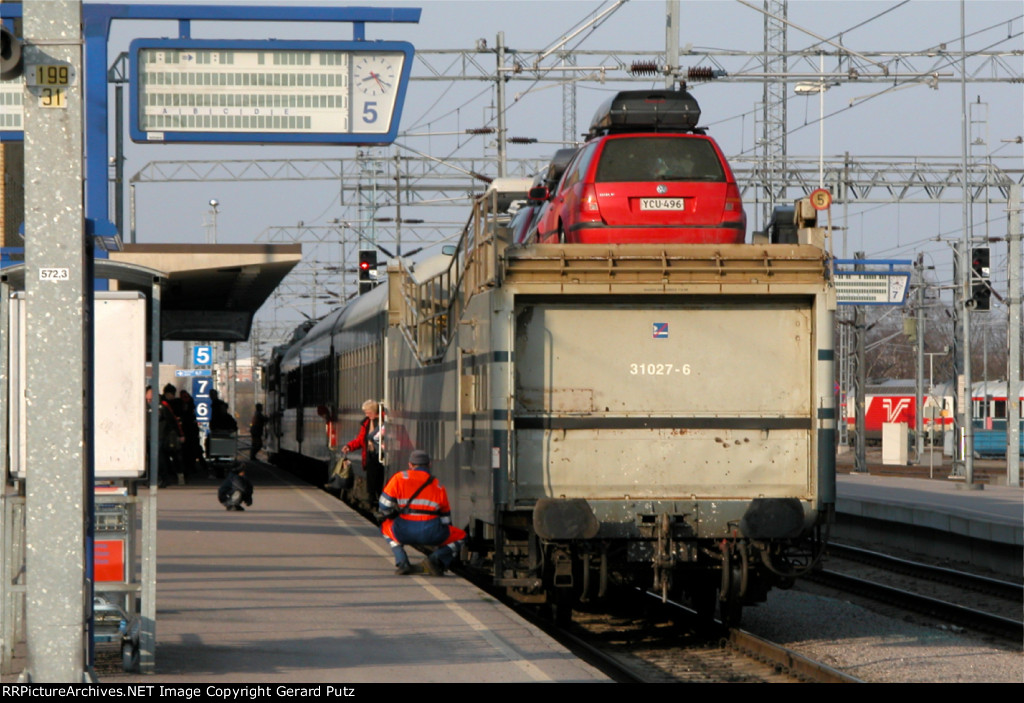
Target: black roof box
{"x":646,"y":111}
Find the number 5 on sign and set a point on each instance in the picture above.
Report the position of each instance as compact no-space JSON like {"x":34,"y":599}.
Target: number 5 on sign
{"x":821,"y":199}
{"x":202,"y":355}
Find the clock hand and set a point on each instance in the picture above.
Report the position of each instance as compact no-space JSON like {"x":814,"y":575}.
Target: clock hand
{"x":384,"y":85}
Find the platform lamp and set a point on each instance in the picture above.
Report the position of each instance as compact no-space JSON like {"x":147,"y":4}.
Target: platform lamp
{"x":810,"y":88}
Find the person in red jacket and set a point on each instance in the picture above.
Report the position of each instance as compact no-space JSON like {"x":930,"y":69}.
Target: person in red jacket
{"x":416,"y":509}
{"x":368,"y":440}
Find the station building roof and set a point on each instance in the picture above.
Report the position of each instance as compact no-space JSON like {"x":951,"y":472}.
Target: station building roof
{"x":208,"y":292}
{"x":211,"y":291}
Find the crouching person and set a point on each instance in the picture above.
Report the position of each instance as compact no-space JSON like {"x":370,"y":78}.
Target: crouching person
{"x":235,"y":490}
{"x":416,"y":509}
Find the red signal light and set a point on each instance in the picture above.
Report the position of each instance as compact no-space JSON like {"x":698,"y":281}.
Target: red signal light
{"x":367,"y":270}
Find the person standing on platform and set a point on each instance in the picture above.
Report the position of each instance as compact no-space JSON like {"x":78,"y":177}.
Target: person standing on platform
{"x":191,"y":450}
{"x":368,"y":440}
{"x":256,"y":427}
{"x":171,"y":436}
{"x":416,"y":511}
{"x":221,"y":419}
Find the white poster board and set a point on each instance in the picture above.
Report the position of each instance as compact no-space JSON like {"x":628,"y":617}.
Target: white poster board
{"x":119,"y":366}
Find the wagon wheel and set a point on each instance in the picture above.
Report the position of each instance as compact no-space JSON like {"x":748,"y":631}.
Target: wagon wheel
{"x":703,"y":599}
{"x":129,"y":657}
{"x":559,"y":606}
{"x":730,"y":605}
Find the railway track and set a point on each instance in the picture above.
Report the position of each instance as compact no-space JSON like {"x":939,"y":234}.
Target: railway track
{"x":939,"y":574}
{"x":967,"y":600}
{"x":646,"y":641}
{"x":665,"y":643}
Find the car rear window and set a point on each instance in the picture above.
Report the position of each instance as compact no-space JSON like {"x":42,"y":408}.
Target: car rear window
{"x":659,"y":159}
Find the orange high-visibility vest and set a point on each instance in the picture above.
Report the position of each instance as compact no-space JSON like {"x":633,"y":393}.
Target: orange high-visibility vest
{"x":431,"y":503}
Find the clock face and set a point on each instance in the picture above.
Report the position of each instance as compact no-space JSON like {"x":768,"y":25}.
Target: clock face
{"x":375,"y":83}
{"x":376,"y":75}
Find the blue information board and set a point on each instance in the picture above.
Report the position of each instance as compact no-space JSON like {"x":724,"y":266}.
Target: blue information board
{"x":268,"y":91}
{"x":871,"y":281}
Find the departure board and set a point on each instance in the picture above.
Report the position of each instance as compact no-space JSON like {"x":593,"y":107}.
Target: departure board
{"x":316,"y":92}
{"x":871,"y":288}
{"x":11,"y":105}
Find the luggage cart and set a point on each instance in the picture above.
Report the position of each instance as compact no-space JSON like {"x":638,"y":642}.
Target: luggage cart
{"x":222,"y":447}
{"x":112,"y":626}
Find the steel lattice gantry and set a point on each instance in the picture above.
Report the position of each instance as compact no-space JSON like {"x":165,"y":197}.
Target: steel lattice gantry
{"x":869,"y":179}
{"x":936,"y":64}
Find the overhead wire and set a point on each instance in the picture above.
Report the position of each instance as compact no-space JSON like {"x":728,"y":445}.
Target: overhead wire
{"x":741,"y":116}
{"x":487,"y":89}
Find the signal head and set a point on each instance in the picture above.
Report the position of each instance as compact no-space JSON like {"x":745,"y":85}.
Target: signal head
{"x":10,"y":54}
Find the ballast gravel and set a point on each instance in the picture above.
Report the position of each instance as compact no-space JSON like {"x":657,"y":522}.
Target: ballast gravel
{"x":877,"y":648}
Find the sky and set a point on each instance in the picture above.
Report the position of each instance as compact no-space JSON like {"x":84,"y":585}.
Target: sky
{"x":880,"y":121}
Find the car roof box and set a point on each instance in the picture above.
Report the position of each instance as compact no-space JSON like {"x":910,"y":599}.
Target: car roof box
{"x":646,"y":111}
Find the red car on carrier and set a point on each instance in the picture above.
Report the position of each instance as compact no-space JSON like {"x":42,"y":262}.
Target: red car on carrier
{"x":647,"y":174}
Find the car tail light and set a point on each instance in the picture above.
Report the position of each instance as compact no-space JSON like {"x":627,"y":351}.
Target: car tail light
{"x":590,"y":210}
{"x":733,"y":214}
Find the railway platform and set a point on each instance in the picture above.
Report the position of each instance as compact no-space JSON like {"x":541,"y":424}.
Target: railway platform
{"x":299,"y":589}
{"x":922,"y":511}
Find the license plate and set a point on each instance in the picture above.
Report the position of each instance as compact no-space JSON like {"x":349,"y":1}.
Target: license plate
{"x":662,"y":204}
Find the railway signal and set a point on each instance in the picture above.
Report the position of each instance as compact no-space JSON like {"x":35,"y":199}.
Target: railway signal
{"x":367,"y":270}
{"x":981,"y":292}
{"x":10,"y":54}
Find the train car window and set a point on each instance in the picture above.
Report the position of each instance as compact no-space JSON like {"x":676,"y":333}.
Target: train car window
{"x":659,"y":158}
{"x":292,"y":393}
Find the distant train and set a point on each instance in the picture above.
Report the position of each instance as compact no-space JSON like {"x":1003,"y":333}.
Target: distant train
{"x":600,"y":414}
{"x":895,"y":400}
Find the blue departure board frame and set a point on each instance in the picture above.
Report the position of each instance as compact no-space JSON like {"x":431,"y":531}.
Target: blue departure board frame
{"x":267,"y":91}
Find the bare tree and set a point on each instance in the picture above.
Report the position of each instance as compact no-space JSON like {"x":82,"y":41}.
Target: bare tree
{"x":891,"y":343}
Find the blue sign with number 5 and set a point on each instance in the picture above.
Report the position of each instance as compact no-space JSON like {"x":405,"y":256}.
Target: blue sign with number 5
{"x":202,"y":355}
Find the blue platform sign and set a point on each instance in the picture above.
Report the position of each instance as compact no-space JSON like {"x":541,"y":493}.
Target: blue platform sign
{"x":268,"y":91}
{"x":201,"y":388}
{"x":202,"y":355}
{"x":192,"y":373}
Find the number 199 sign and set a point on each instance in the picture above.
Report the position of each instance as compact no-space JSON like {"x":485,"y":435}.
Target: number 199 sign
{"x":299,"y":92}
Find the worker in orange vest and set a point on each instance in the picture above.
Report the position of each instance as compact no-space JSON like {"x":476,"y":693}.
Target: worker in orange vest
{"x":416,"y":509}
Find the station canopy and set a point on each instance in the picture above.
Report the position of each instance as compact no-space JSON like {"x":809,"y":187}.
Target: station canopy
{"x":211,"y":291}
